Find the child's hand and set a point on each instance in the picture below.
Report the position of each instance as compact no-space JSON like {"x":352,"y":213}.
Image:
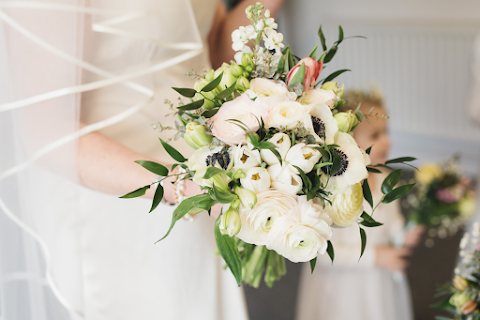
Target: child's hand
{"x":412,"y":237}
{"x":392,"y":258}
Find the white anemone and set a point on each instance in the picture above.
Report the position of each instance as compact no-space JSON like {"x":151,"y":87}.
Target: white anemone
{"x":321,"y":123}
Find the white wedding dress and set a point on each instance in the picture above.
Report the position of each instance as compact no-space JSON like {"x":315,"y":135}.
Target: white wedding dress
{"x":352,"y":289}
{"x":103,"y":258}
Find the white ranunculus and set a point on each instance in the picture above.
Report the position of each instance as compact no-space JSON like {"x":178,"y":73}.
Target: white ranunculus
{"x":257,"y":222}
{"x":302,"y":234}
{"x":245,"y":158}
{"x":257,"y":180}
{"x":320,"y":122}
{"x":282,"y":142}
{"x":346,"y":207}
{"x":269,"y":92}
{"x":303,"y":156}
{"x":284,"y":179}
{"x":327,"y":97}
{"x":286,"y":114}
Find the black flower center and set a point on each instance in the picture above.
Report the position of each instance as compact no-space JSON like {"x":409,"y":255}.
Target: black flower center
{"x":343,"y":164}
{"x":222,"y":159}
{"x":318,"y":127}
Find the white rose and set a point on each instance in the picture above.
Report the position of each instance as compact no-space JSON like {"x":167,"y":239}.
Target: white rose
{"x":284,"y":179}
{"x":301,"y":234}
{"x":282,"y":143}
{"x":286,"y":114}
{"x":303,"y":156}
{"x":327,"y":97}
{"x":257,"y":180}
{"x":257,"y":222}
{"x":245,"y":158}
{"x":346,"y":207}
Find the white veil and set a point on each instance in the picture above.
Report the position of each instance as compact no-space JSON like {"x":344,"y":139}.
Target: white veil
{"x":50,"y":53}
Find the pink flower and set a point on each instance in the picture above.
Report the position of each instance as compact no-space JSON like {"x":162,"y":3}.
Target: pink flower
{"x":312,"y":71}
{"x":242,"y":109}
{"x":469,"y":306}
{"x":446,"y":196}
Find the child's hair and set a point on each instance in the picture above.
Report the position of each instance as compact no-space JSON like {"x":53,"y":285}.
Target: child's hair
{"x":371,"y":97}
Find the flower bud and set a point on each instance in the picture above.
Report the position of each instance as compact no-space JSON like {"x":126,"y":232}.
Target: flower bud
{"x":239,"y":174}
{"x":236,"y":70}
{"x":210,"y":75}
{"x":220,"y":181}
{"x":230,"y":222}
{"x":460,"y":283}
{"x":458,"y":299}
{"x":249,"y":15}
{"x":469,"y":306}
{"x":267,"y":13}
{"x":228,"y":79}
{"x":206,"y":96}
{"x":195,"y":135}
{"x":242,"y":84}
{"x":247,"y":59}
{"x":247,"y":197}
{"x":346,"y":121}
{"x":335,"y":87}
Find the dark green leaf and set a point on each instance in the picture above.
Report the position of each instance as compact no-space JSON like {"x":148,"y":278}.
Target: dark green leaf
{"x":335,"y":74}
{"x":266,"y":145}
{"x":226,"y":93}
{"x":186,"y":92}
{"x":136,"y":193}
{"x":210,"y":113}
{"x":299,"y":76}
{"x":192,"y":106}
{"x":368,"y":221}
{"x":401,"y":160}
{"x":213,"y":84}
{"x":306,"y":181}
{"x":340,"y":34}
{"x":370,"y":169}
{"x":228,"y":250}
{"x":367,"y":194}
{"x":280,"y":64}
{"x":397,"y":193}
{"x":337,"y":163}
{"x":252,"y":138}
{"x":222,"y":196}
{"x":173,"y":152}
{"x":157,"y":198}
{"x":322,"y":38}
{"x":323,"y":164}
{"x":330,"y":251}
{"x":368,"y":150}
{"x":154,"y":167}
{"x":363,"y":236}
{"x":325,"y":154}
{"x":359,"y":115}
{"x":212,"y":171}
{"x":205,"y":204}
{"x":313,"y":262}
{"x":330,"y":54}
{"x":322,"y":56}
{"x":391,"y":181}
{"x":313,"y":54}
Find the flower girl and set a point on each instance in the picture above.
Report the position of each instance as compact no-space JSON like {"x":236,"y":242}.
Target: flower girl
{"x":372,"y":288}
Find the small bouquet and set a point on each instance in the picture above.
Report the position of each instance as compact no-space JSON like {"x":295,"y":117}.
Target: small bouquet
{"x":462,"y":295}
{"x":442,"y":200}
{"x":273,"y":147}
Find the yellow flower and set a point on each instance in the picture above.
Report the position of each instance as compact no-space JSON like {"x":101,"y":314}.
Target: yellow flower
{"x":347,"y":206}
{"x":427,"y":173}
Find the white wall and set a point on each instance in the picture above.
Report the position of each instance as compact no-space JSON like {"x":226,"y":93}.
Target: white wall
{"x":417,"y":52}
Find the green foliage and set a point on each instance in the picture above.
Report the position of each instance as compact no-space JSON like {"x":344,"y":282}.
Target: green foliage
{"x":213,"y":84}
{"x":136,"y":193}
{"x":299,"y":76}
{"x":363,"y":237}
{"x":397,"y":193}
{"x":227,"y":93}
{"x":157,"y":198}
{"x":335,"y":74}
{"x":173,"y":152}
{"x":186,"y":92}
{"x":228,"y":250}
{"x":154,"y":167}
{"x":391,"y":181}
{"x":330,"y":251}
{"x":367,"y":193}
{"x":192,"y":106}
{"x":313,"y":262}
{"x":222,"y":196}
{"x":368,"y":221}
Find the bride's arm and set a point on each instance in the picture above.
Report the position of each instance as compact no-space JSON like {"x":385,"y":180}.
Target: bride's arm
{"x":219,"y":39}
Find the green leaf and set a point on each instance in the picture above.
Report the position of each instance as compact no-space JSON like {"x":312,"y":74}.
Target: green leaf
{"x":226,"y":93}
{"x":340,"y":34}
{"x":368,"y":150}
{"x":391,"y":181}
{"x":335,"y":74}
{"x":337,"y":163}
{"x":183,"y":208}
{"x":192,"y":106}
{"x":136,"y":193}
{"x":359,"y":115}
{"x":299,"y":76}
{"x":313,"y":54}
{"x":210,"y":113}
{"x":212,"y":171}
{"x":397,"y":193}
{"x":370,"y":169}
{"x":363,"y":236}
{"x":266,"y":145}
{"x":313,"y":262}
{"x":253,"y":137}
{"x":222,"y":196}
{"x":401,"y":160}
{"x":228,"y":250}
{"x":321,"y":165}
{"x":330,"y":54}
{"x":157,"y":198}
{"x":368,"y":221}
{"x":280,"y":64}
{"x":330,"y":251}
{"x":367,"y":194}
{"x":173,"y":152}
{"x":322,"y":57}
{"x":306,"y":181}
{"x":186,"y":92}
{"x":205,"y":204}
{"x":213,"y":84}
{"x":182,"y":120}
{"x":322,"y":38}
{"x":154,"y":167}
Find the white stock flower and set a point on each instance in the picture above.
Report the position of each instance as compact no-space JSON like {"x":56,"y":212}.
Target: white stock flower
{"x":266,"y":23}
{"x":272,"y":39}
{"x":301,"y":234}
{"x":303,"y":156}
{"x":346,"y":207}
{"x":245,"y":158}
{"x":257,"y":180}
{"x":353,"y":167}
{"x":282,"y":142}
{"x":241,"y":36}
{"x":286,"y":114}
{"x":257,"y":222}
{"x":327,"y":97}
{"x":284,"y":179}
{"x":321,"y":123}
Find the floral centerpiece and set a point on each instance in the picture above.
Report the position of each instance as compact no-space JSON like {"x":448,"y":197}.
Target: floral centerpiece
{"x":273,"y":147}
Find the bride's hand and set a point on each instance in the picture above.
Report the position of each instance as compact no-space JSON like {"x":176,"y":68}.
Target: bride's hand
{"x":392,"y":258}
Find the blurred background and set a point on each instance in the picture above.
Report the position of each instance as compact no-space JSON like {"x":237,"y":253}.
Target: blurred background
{"x":419,"y":54}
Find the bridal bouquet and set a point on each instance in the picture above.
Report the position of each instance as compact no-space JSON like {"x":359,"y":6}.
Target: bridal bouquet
{"x":273,"y":147}
{"x":442,"y":200}
{"x":462,"y":295}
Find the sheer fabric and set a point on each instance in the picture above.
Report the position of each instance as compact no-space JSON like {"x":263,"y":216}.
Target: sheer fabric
{"x":474,"y":106}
